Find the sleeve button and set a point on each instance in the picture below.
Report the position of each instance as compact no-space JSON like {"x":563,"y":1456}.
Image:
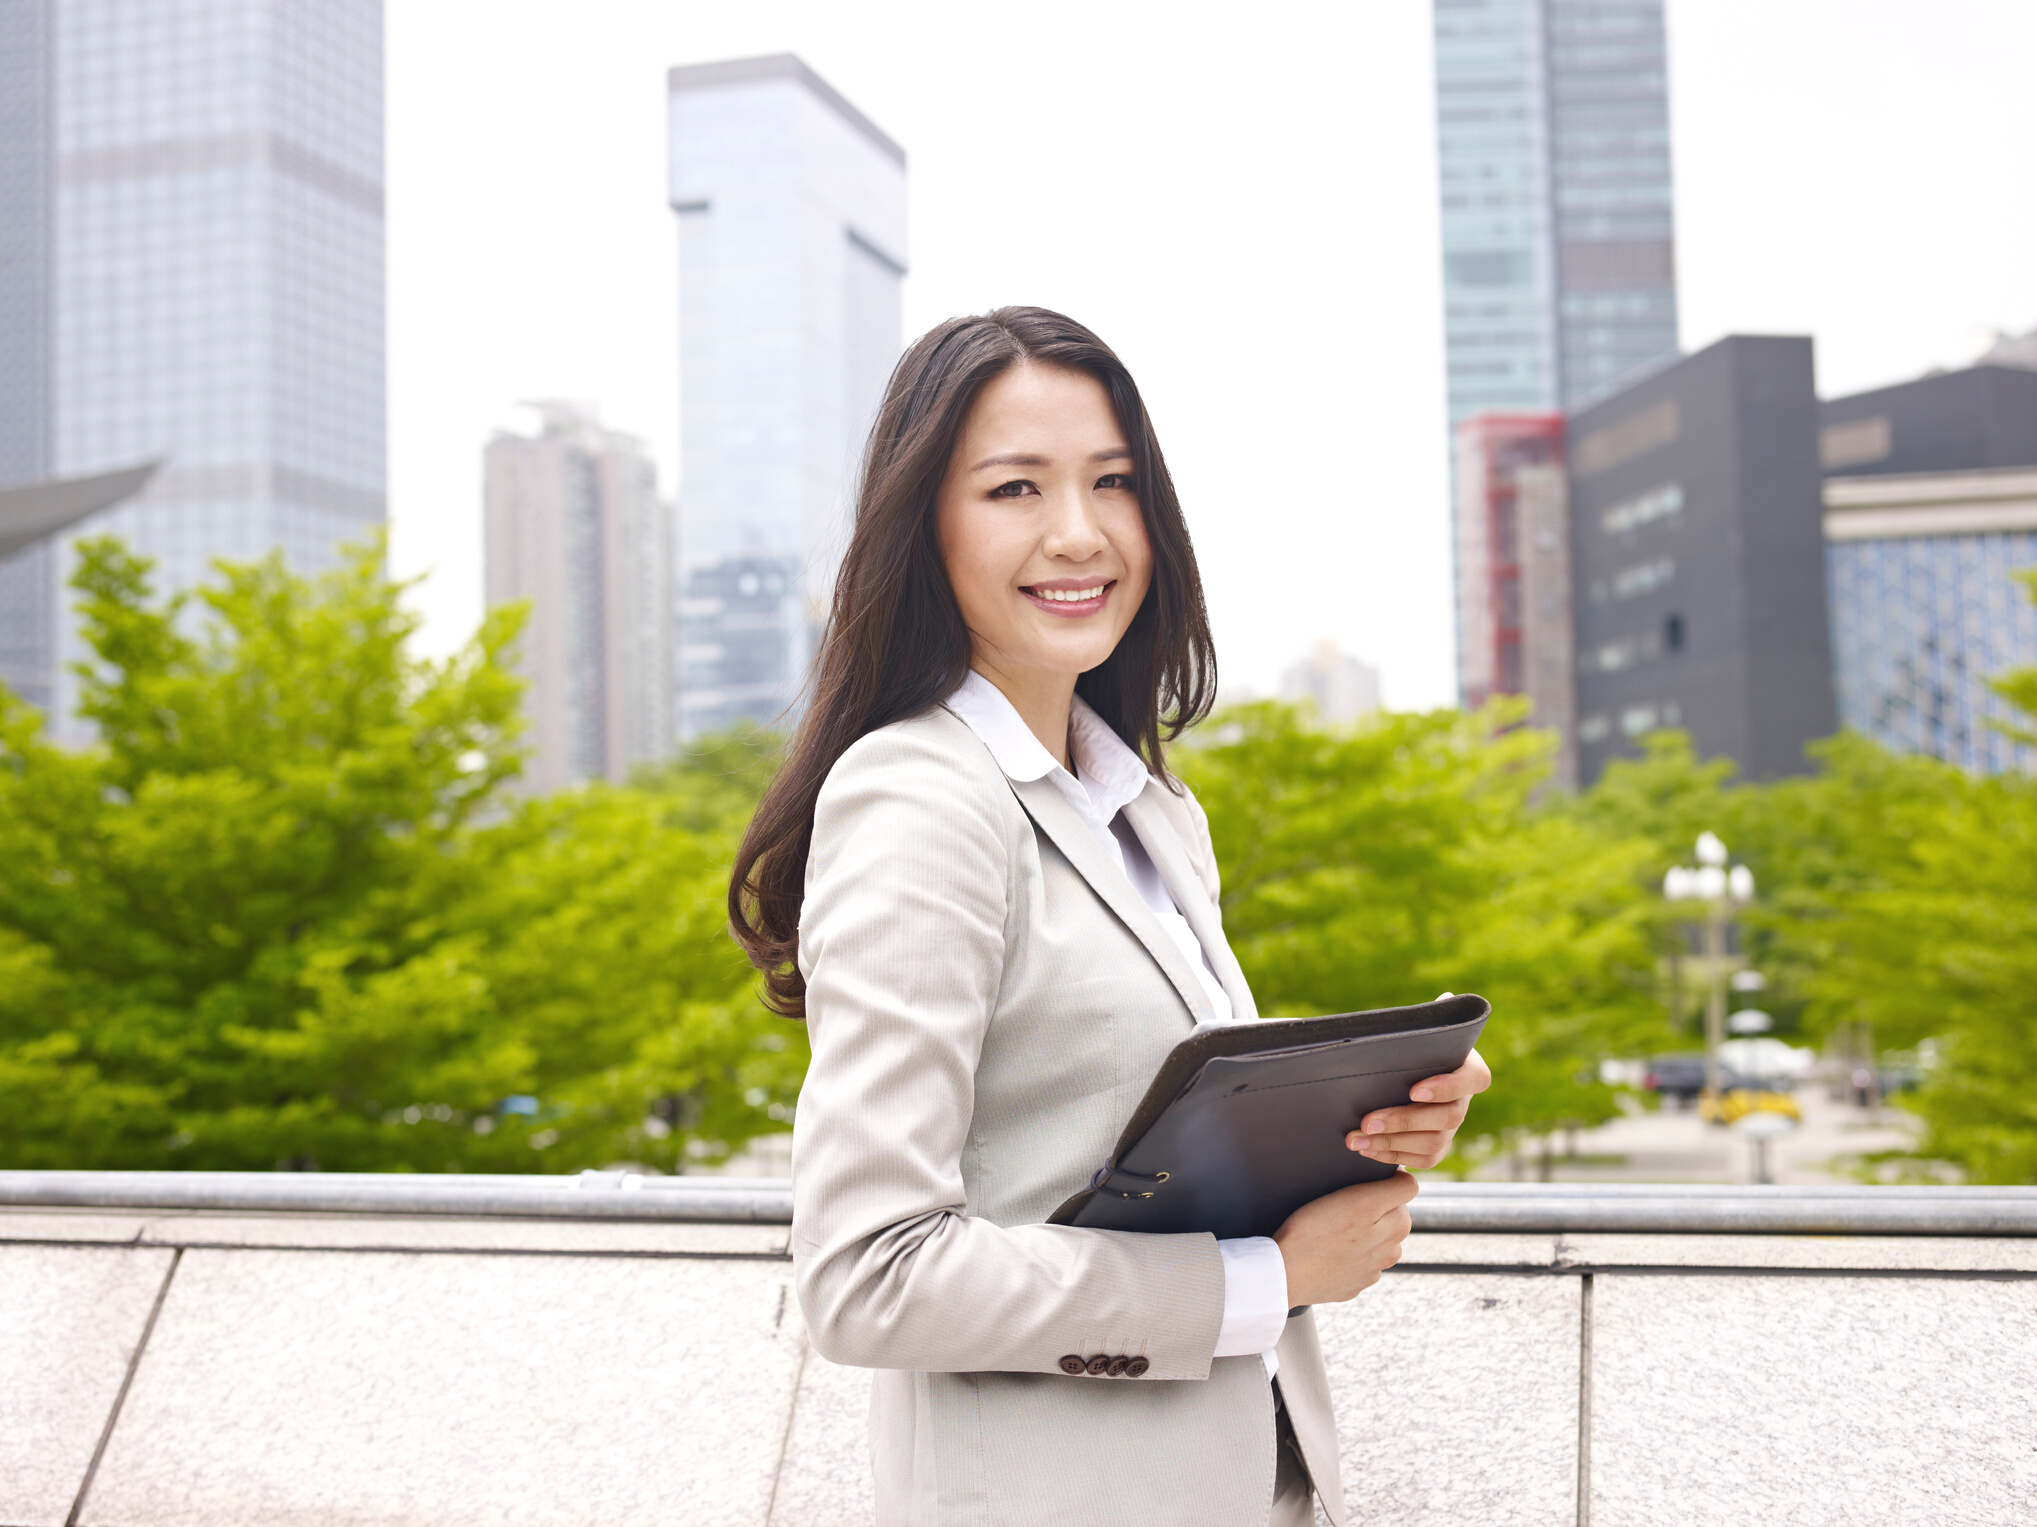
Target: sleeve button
{"x":1118,"y":1367}
{"x":1098,"y":1365}
{"x":1071,"y":1364}
{"x":1136,"y":1368}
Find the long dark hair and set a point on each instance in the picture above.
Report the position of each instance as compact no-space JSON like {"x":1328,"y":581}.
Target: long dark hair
{"x":895,"y":644}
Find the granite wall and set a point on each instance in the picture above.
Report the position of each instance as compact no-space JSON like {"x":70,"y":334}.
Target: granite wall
{"x":194,"y":1370}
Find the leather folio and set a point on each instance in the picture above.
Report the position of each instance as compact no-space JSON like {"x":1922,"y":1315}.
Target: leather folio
{"x":1243,"y":1124}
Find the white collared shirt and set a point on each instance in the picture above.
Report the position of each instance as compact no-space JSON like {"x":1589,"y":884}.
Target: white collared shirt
{"x":1111,"y":776}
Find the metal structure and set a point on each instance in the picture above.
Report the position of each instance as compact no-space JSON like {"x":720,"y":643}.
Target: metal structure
{"x":36,"y":511}
{"x":1720,"y":890}
{"x":1516,"y":1208}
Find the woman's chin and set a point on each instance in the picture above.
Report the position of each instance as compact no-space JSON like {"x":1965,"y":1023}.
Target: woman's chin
{"x":1071,"y":659}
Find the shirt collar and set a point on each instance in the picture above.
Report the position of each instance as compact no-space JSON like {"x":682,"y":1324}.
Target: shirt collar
{"x":1112,"y":774}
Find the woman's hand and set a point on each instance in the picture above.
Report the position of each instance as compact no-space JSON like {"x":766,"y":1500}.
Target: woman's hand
{"x":1419,"y":1134}
{"x":1337,"y":1246}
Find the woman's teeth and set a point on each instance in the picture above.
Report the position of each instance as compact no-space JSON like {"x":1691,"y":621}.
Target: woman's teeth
{"x":1070,"y":596}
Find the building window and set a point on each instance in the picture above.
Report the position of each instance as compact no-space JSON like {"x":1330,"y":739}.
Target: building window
{"x":1486,"y":267}
{"x":1594,"y":729}
{"x":1627,"y":652}
{"x":1644,"y":579}
{"x":1672,"y":634}
{"x":1655,"y":504}
{"x":1855,"y":443}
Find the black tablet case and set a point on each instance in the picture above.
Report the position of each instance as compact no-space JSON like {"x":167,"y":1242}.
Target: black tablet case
{"x":1245,"y":1123}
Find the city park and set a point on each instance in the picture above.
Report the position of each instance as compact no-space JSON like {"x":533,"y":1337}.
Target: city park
{"x":291,"y":911}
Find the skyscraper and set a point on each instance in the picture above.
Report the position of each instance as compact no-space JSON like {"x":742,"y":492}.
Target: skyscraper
{"x":1552,"y":130}
{"x":191,"y":272}
{"x":791,"y":207}
{"x":1342,"y":688}
{"x":573,"y":524}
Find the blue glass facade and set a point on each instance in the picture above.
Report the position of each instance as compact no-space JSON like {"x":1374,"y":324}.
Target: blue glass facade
{"x":1552,"y":130}
{"x":1499,"y":275}
{"x":792,"y":248}
{"x":1919,"y":625}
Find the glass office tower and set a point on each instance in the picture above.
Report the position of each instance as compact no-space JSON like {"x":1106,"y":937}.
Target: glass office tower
{"x":1930,"y":516}
{"x":191,"y":199}
{"x":1552,"y":129}
{"x":791,"y":207}
{"x":1922,"y":621}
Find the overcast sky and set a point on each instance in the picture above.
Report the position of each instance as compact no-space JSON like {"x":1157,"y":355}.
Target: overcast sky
{"x":1241,"y":200}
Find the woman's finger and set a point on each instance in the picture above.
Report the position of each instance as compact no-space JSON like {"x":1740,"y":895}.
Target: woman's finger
{"x":1383,"y":1147}
{"x":1412,"y":1159}
{"x":1393,"y":1121}
{"x":1474,"y":1076}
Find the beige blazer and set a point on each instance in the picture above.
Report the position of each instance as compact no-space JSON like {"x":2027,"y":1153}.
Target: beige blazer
{"x":988,"y":997}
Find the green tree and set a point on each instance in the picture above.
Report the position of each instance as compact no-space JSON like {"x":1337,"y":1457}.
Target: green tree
{"x":2019,"y":685}
{"x":1384,"y":863}
{"x":282,"y":914}
{"x":1942,"y":945}
{"x":1813,"y":841}
{"x":1945,"y":949}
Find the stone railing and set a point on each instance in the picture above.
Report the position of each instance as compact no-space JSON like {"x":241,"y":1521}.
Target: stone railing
{"x":217,"y":1349}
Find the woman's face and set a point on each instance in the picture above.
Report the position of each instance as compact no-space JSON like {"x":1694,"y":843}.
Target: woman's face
{"x":1040,"y":525}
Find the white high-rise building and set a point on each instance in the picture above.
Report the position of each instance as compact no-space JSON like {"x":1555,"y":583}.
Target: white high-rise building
{"x":573,"y":524}
{"x":1343,"y":688}
{"x":191,"y":272}
{"x":791,"y":207}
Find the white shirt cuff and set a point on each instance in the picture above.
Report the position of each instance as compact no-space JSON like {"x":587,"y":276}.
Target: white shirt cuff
{"x":1255,"y":1296}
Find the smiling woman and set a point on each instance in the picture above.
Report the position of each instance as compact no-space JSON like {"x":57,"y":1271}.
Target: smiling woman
{"x":1043,"y":537}
{"x":998,"y":911}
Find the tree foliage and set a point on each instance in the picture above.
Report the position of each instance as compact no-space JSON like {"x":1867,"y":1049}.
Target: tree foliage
{"x":1940,"y":944}
{"x":1384,"y":863}
{"x":1897,"y":893}
{"x":283,"y":913}
{"x":289,"y":910}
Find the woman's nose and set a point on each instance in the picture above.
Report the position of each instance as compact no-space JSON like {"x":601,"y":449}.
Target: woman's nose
{"x":1073,"y":530}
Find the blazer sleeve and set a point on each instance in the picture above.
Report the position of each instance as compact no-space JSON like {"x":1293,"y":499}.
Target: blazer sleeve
{"x":902,"y":942}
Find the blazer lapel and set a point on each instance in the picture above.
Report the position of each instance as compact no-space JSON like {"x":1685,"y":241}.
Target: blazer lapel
{"x":1052,"y":813}
{"x":1170,"y":856}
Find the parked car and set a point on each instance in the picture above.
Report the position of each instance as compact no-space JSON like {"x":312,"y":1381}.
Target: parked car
{"x":1678,"y":1078}
{"x":1738,"y":1102}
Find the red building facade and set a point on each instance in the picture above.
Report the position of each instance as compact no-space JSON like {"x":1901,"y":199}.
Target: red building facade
{"x":1491,"y":449}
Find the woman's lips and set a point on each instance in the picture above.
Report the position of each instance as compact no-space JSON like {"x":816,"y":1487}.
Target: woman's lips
{"x":1070,"y":603}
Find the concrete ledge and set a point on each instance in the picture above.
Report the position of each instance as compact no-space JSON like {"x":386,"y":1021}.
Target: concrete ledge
{"x":173,"y":1361}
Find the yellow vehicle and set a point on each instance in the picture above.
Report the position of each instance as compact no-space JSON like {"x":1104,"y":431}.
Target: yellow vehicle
{"x":1738,"y":1102}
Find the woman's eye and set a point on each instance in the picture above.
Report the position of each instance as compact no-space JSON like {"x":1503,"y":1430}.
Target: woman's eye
{"x":1018,"y":489}
{"x":1115,"y":480}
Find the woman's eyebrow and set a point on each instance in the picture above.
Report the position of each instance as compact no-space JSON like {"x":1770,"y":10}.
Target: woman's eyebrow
{"x":1027,"y":459}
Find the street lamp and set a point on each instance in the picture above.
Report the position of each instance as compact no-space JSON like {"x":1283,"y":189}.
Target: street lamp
{"x":1721,"y":889}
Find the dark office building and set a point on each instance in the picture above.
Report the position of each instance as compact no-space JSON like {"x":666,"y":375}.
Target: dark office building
{"x":1957,"y":421}
{"x":1698,"y":560}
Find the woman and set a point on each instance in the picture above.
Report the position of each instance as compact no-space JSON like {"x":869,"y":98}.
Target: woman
{"x":997,"y":911}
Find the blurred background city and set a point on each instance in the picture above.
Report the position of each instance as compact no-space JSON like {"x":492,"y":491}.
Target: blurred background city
{"x":428,"y":431}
